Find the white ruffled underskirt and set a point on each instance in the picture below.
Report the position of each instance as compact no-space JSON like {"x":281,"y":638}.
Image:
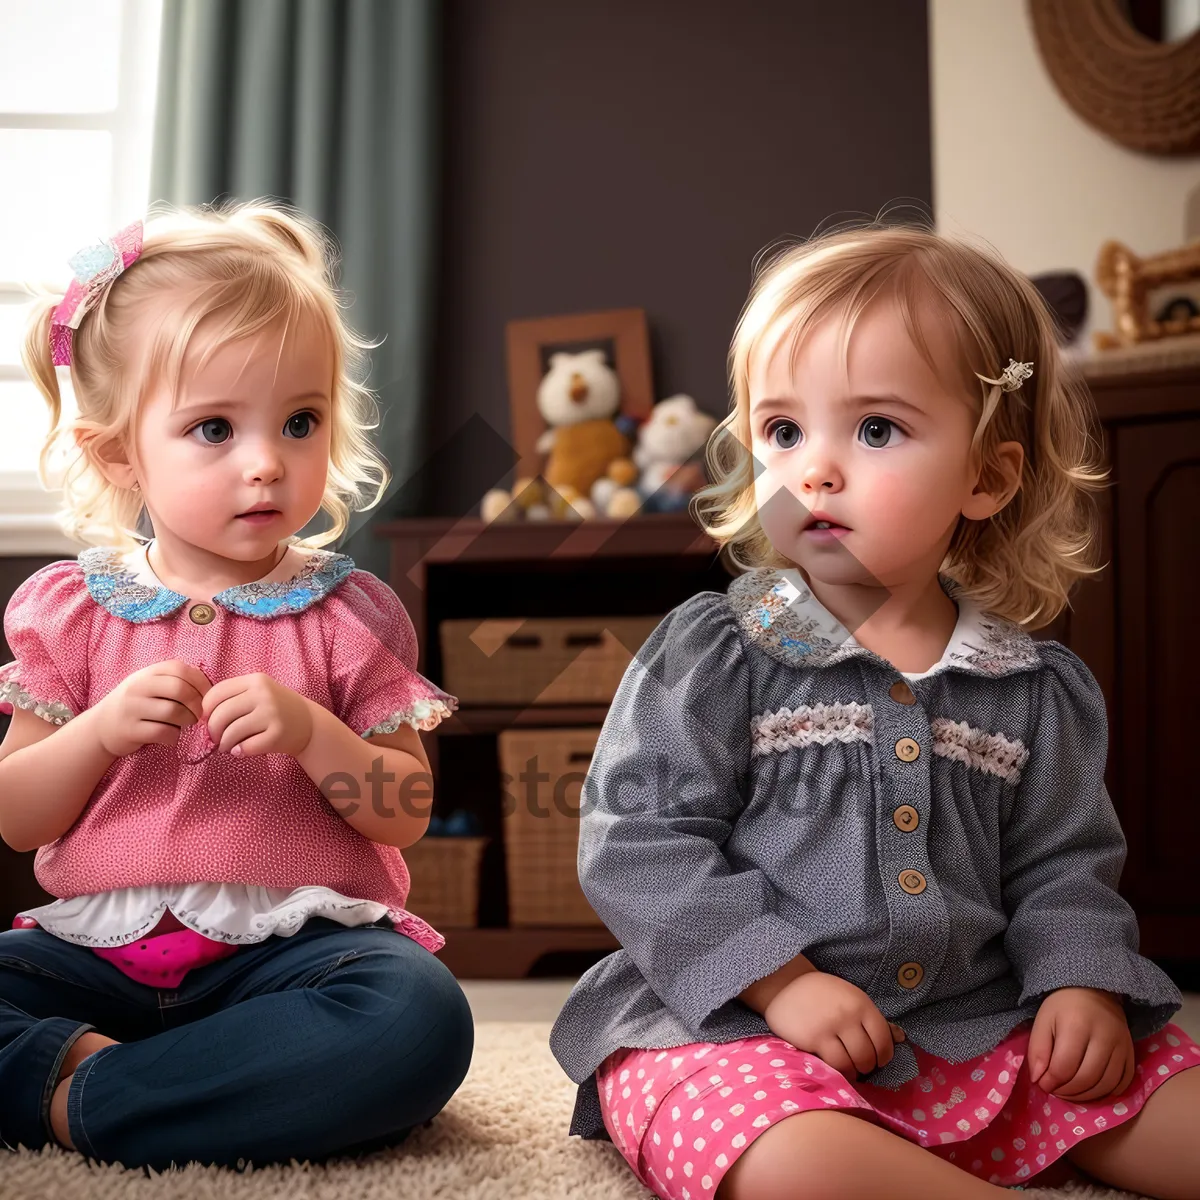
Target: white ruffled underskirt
{"x":237,"y":913}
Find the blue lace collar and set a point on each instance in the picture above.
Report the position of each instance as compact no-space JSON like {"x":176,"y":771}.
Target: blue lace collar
{"x":134,"y":595}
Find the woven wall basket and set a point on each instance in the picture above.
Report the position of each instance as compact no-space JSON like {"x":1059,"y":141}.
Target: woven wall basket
{"x":1143,"y":94}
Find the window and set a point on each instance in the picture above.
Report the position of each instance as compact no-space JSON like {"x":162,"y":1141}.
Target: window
{"x":77,"y":83}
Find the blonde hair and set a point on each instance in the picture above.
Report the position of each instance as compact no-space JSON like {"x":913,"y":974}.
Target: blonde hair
{"x":1020,"y":563}
{"x":238,"y":269}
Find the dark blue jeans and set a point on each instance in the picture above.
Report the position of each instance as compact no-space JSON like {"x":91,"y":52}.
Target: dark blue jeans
{"x":334,"y":1041}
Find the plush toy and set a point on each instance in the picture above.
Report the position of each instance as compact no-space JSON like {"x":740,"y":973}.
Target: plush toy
{"x":578,"y":397}
{"x":675,"y":434}
{"x":524,"y":501}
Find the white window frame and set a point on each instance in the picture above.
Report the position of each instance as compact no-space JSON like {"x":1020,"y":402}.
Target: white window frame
{"x":27,"y":523}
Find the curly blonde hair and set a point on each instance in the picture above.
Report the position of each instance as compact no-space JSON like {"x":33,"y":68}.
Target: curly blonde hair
{"x":1020,"y":563}
{"x":236,"y":269}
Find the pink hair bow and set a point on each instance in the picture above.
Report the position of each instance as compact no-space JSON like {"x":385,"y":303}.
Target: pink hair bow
{"x":94,"y":268}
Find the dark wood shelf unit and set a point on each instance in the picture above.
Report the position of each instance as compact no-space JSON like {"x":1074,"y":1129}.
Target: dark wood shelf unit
{"x":480,"y":719}
{"x":444,"y":569}
{"x":521,"y":952}
{"x":467,"y":568}
{"x":1134,"y":626}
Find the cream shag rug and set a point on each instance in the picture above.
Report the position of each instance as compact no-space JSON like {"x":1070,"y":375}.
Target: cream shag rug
{"x":502,"y":1135}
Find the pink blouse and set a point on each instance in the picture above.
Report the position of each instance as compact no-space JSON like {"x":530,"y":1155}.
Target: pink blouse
{"x":185,"y":814}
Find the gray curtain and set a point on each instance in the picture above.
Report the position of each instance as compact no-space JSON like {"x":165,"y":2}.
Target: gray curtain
{"x":330,"y":105}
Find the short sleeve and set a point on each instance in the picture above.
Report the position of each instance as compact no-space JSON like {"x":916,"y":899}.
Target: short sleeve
{"x":372,"y":651}
{"x":1062,"y":851}
{"x":668,"y":781}
{"x":47,"y":625}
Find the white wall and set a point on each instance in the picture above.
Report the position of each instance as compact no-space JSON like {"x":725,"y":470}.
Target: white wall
{"x":1012,"y":163}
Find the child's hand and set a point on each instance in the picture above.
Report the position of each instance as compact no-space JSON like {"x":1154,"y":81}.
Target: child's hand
{"x":255,"y":714}
{"x":151,"y":705}
{"x":1080,"y":1048}
{"x":831,"y":1018}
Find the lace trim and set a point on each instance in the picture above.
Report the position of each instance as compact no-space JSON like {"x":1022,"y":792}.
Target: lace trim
{"x":264,"y":926}
{"x":819,"y":723}
{"x":321,"y":573}
{"x":54,"y":711}
{"x":116,"y":588}
{"x":992,"y":753}
{"x":427,"y":713}
{"x":418,"y":929}
{"x":294,"y":920}
{"x":783,"y":631}
{"x":785,"y":620}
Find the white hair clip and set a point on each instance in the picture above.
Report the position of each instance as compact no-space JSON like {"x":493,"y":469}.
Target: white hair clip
{"x":1012,"y":376}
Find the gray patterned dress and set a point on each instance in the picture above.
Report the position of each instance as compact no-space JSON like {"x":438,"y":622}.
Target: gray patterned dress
{"x":764,"y":786}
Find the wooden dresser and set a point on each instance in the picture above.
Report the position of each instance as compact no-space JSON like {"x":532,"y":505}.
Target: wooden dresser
{"x":445,"y":570}
{"x":1134,"y":627}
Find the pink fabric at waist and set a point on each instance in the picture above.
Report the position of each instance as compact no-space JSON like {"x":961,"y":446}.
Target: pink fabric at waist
{"x":162,"y":960}
{"x":163,"y":957}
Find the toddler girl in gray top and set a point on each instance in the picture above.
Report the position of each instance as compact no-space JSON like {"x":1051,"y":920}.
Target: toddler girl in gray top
{"x":848,"y":820}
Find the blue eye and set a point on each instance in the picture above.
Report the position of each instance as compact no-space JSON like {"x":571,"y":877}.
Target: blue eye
{"x":878,"y":432}
{"x":790,"y":434}
{"x":214,"y":431}
{"x":301,"y":425}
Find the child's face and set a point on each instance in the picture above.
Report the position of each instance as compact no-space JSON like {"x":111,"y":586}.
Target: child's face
{"x":874,"y":439}
{"x":251,"y":426}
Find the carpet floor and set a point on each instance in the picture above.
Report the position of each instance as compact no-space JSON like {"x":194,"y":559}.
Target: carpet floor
{"x":502,"y":1135}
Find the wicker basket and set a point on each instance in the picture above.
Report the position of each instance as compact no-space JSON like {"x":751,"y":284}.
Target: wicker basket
{"x":544,"y":660}
{"x":445,"y":880}
{"x":541,"y":831}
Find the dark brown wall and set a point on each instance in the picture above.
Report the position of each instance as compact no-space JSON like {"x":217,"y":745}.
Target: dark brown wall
{"x":611,"y":153}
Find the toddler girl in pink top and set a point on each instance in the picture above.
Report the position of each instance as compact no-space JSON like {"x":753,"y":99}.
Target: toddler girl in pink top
{"x":214,"y":745}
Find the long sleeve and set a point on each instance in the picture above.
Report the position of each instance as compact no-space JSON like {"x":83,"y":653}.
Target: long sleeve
{"x":667,"y":783}
{"x":47,"y":625}
{"x":1062,"y":851}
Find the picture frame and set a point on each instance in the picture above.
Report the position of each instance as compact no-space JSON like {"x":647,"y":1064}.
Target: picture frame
{"x":621,"y":332}
{"x":1134,"y":285}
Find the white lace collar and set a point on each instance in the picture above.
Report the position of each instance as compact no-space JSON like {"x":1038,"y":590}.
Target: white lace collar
{"x":779,"y":613}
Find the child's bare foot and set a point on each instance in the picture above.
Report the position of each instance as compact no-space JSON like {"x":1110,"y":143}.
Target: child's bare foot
{"x":83,"y":1048}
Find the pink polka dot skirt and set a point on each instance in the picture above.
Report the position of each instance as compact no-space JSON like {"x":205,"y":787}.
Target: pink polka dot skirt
{"x":681,"y":1117}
